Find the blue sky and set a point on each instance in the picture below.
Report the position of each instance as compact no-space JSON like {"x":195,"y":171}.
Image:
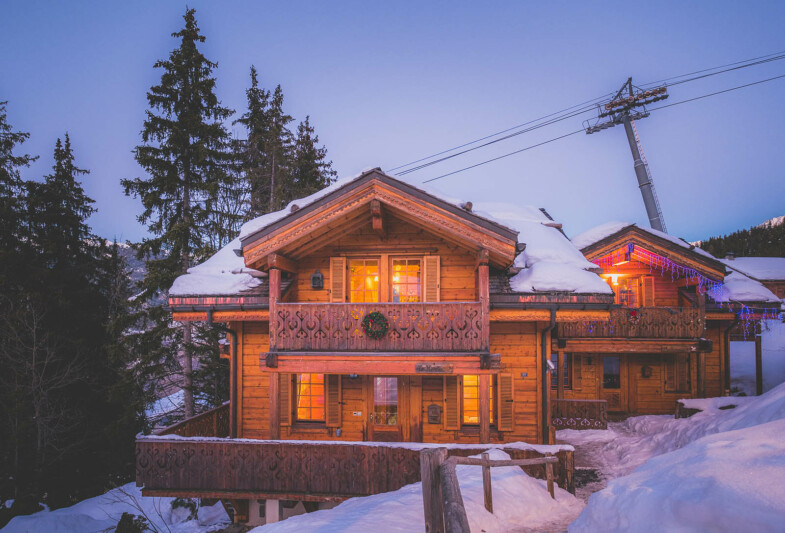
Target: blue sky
{"x":386,"y":83}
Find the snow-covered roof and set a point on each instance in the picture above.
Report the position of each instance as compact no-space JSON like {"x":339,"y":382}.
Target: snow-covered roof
{"x":549,"y":263}
{"x":760,"y":268}
{"x":224,"y":274}
{"x":739,"y":288}
{"x":596,"y":234}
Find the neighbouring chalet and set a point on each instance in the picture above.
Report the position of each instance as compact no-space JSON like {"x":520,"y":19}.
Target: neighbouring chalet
{"x":669,"y":336}
{"x":376,"y":311}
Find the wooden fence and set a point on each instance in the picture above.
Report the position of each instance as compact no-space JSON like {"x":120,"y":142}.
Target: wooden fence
{"x":442,"y":501}
{"x":579,"y":414}
{"x":212,"y":423}
{"x":431,"y":327}
{"x":294,"y":470}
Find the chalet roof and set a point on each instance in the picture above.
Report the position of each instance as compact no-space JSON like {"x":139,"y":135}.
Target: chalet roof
{"x":739,"y":288}
{"x":759,"y":268}
{"x":603,"y":234}
{"x":549,"y":263}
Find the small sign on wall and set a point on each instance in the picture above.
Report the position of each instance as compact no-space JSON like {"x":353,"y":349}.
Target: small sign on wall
{"x":433,"y":368}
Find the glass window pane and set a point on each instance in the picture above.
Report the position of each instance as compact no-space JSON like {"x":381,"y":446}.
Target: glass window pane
{"x":611,"y":372}
{"x":364,"y":280}
{"x":385,"y":401}
{"x":309,"y":397}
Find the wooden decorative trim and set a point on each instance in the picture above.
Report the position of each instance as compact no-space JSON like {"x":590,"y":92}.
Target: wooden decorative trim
{"x":222,"y":316}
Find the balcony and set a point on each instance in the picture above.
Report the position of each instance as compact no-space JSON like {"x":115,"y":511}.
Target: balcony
{"x":424,"y":327}
{"x":641,"y":323}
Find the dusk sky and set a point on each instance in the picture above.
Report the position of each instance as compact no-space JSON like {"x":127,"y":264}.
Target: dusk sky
{"x":388,"y":83}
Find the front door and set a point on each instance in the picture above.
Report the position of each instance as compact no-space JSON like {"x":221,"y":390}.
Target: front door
{"x":384,"y":415}
{"x":613,"y":382}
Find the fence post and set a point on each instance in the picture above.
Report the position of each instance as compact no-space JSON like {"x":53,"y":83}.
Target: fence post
{"x":455,"y":519}
{"x":549,"y":476}
{"x":433,"y":507}
{"x":486,"y":484}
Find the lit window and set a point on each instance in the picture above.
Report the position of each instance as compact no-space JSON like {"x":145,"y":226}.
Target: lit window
{"x":406,"y":280}
{"x":309,"y":392}
{"x":364,"y":280}
{"x":471,"y":399}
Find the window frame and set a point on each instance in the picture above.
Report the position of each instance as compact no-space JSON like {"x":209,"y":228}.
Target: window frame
{"x":390,"y":274}
{"x":569,"y":360}
{"x":379,"y":274}
{"x":493,"y":399}
{"x":296,"y":400}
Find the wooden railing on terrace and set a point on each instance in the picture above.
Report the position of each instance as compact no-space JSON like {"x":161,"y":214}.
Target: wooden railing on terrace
{"x":642,"y":322}
{"x":212,"y":423}
{"x":443,"y":326}
{"x":579,"y":414}
{"x":295,"y":470}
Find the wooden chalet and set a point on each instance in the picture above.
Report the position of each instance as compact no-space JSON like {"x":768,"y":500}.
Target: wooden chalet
{"x":669,"y":336}
{"x":376,"y":311}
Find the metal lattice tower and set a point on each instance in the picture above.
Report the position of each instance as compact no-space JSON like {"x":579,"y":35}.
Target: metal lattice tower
{"x":626,"y":109}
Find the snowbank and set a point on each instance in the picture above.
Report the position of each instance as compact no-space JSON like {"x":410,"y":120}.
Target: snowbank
{"x":103,"y":512}
{"x":716,"y":404}
{"x":731,"y":481}
{"x":518,"y":500}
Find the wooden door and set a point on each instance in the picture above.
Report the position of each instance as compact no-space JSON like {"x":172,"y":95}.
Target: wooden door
{"x":613,"y":382}
{"x":383,"y":402}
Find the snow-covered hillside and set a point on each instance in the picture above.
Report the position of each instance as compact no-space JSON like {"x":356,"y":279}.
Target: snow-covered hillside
{"x":719,"y":470}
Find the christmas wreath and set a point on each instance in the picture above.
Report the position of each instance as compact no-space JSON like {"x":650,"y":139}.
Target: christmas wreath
{"x":375,"y":325}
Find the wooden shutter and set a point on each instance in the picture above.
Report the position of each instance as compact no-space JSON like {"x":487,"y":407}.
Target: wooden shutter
{"x":506,"y":403}
{"x":284,"y":397}
{"x":452,"y":403}
{"x":647,"y":292}
{"x":332,"y":400}
{"x":576,"y":371}
{"x":430,"y":280}
{"x":337,"y":279}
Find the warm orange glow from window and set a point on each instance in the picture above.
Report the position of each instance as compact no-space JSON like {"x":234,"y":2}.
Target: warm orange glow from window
{"x":471,"y":399}
{"x":406,"y":280}
{"x":364,"y":280}
{"x":309,"y":391}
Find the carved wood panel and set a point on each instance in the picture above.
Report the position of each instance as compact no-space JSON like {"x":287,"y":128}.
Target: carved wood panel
{"x":454,"y":326}
{"x":644,"y":322}
{"x":579,"y":414}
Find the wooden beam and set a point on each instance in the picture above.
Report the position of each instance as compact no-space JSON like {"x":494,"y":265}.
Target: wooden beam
{"x":758,"y":366}
{"x":222,"y":316}
{"x":485,"y":408}
{"x":282,"y":263}
{"x":534,"y":315}
{"x":275,"y":406}
{"x":483,"y":289}
{"x":274,"y":277}
{"x":377,"y":219}
{"x":632,"y":346}
{"x":374,"y":364}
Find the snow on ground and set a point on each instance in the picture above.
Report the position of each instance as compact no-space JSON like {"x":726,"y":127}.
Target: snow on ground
{"x":719,"y":470}
{"x":742,"y":359}
{"x":103,"y":512}
{"x":520,"y":503}
{"x":165,"y":405}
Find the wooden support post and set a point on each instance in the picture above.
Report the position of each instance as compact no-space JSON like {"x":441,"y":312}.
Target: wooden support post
{"x":486,"y":484}
{"x":455,"y":519}
{"x":483,"y":289}
{"x":758,"y":366}
{"x":274,"y":280}
{"x":433,"y":506}
{"x":560,"y":373}
{"x":275,"y":406}
{"x":485,"y":408}
{"x":549,"y":476}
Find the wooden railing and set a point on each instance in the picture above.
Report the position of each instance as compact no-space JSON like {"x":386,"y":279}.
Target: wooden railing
{"x":579,"y":414}
{"x":212,"y":423}
{"x":299,"y":470}
{"x":642,"y":322}
{"x":446,"y":326}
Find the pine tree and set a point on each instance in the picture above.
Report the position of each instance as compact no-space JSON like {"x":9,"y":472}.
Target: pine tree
{"x":184,"y":152}
{"x":279,"y":147}
{"x":311,"y":171}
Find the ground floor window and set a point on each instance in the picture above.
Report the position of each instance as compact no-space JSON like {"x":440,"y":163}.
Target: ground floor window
{"x":309,"y":395}
{"x":471,"y":399}
{"x":611,"y":372}
{"x":567,"y":378}
{"x":385,"y":401}
{"x":677,"y":373}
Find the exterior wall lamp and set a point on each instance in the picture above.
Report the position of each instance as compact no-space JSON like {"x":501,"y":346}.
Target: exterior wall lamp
{"x":317,"y":280}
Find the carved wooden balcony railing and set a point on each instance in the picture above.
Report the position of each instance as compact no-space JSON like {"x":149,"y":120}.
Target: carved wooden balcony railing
{"x":432,"y":327}
{"x":212,"y":423}
{"x":643,"y":322}
{"x":579,"y":414}
{"x":298,"y":470}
